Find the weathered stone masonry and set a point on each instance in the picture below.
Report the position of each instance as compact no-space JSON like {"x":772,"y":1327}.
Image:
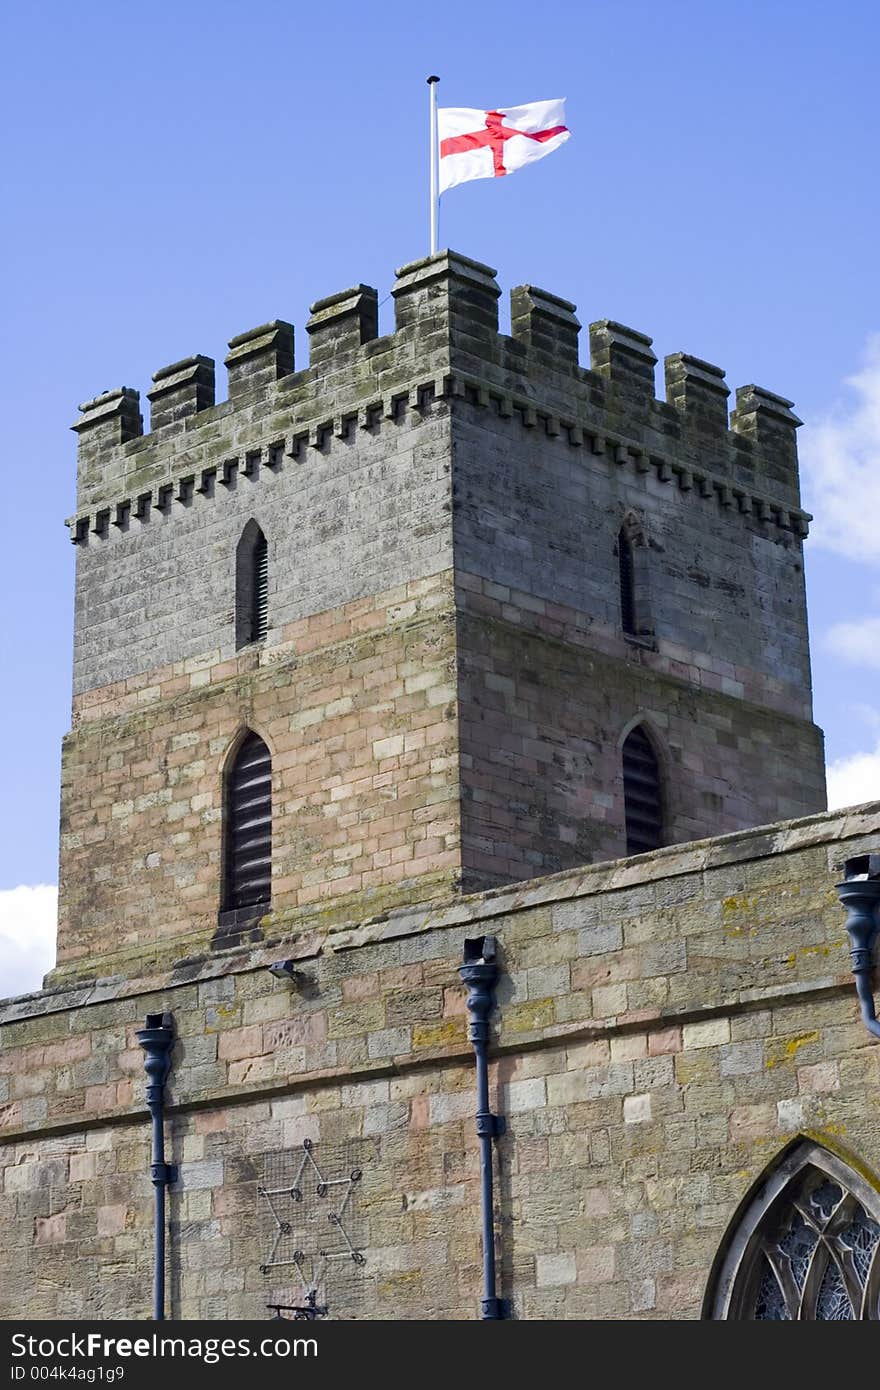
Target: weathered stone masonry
{"x":445,"y":685}
{"x":667,"y":1026}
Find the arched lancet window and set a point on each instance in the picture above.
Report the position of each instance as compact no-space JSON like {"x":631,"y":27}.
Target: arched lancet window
{"x":251,"y":586}
{"x":248,"y":827}
{"x":642,"y":793}
{"x":627,"y":583}
{"x":806,"y":1248}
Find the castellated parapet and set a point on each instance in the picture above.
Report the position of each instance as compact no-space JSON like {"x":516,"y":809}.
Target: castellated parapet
{"x":446,"y":683}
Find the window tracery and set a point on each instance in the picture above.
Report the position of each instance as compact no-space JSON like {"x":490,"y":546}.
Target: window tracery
{"x":808,"y":1249}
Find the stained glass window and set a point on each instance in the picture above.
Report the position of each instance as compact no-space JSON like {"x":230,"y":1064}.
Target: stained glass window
{"x":813,"y":1251}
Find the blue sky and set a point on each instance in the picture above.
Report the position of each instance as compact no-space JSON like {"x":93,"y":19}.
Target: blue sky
{"x":177,"y":174}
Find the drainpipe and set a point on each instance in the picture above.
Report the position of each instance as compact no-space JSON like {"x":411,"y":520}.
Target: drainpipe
{"x":860,"y":895}
{"x":480,"y":973}
{"x":157,"y":1040}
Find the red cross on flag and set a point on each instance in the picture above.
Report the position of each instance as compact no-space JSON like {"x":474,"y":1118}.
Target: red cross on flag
{"x":486,"y":144}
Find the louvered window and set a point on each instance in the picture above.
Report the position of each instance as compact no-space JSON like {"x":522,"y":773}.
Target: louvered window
{"x":627,"y":584}
{"x":642,"y":794}
{"x":248,"y":828}
{"x":251,"y":586}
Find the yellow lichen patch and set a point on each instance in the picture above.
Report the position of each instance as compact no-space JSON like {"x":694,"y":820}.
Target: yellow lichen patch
{"x":524,"y":1018}
{"x":451,"y":1030}
{"x":823,"y":948}
{"x":828,"y":1134}
{"x":399,"y":1283}
{"x":735,"y":907}
{"x":781,"y":1050}
{"x":221,"y":1016}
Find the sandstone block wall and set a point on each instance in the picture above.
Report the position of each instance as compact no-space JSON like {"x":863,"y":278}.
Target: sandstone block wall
{"x":544,"y":712}
{"x":666,"y":1028}
{"x":355,"y":706}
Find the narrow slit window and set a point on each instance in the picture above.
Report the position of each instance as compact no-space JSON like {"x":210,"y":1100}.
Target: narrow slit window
{"x":260,"y":614}
{"x":642,"y":794}
{"x":627,"y":583}
{"x":248,"y":827}
{"x":251,"y":586}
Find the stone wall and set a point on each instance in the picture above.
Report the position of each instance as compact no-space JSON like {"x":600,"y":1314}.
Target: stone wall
{"x":357,"y":709}
{"x":544,"y":713}
{"x":666,"y":1027}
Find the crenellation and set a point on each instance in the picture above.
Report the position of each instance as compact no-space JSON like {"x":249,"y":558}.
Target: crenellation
{"x":451,"y":294}
{"x":259,"y":358}
{"x":769,"y":422}
{"x":624,"y":359}
{"x":545,"y":324}
{"x":341,"y":324}
{"x":447,"y":305}
{"x":181,"y":390}
{"x":699,"y":393}
{"x":111,"y":419}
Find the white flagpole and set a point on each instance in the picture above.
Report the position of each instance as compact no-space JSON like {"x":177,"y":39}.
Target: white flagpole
{"x":435,"y":159}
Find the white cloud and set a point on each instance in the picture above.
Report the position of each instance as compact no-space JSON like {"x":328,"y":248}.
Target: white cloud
{"x":28,"y":916}
{"x":858,"y":642}
{"x":840,"y":456}
{"x":854,"y":780}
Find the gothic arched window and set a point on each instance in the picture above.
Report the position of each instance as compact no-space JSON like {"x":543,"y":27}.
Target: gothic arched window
{"x":248,"y":827}
{"x":807,"y":1247}
{"x":251,"y":586}
{"x":642,"y":793}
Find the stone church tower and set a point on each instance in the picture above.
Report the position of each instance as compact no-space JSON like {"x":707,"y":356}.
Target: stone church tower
{"x":445,"y":665}
{"x":512,"y":616}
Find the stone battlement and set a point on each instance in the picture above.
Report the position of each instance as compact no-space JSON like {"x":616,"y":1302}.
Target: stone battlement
{"x":446,"y":347}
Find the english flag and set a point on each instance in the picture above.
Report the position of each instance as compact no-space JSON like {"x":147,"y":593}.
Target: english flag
{"x":488,"y":144}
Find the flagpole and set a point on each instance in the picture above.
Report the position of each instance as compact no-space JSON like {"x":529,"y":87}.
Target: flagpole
{"x":434,"y":194}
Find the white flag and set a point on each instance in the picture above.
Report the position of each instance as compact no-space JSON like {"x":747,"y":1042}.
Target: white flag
{"x":487,"y":144}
